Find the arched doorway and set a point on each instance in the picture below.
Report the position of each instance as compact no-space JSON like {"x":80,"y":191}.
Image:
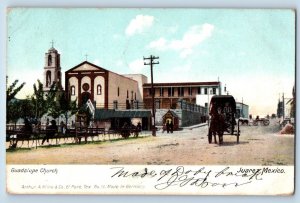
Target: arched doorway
{"x":85,"y":96}
{"x":171,"y":116}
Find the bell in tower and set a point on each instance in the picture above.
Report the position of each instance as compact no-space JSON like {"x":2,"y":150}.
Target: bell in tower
{"x":52,"y":69}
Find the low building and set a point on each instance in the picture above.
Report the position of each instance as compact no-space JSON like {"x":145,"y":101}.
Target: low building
{"x":166,"y":95}
{"x":181,"y":100}
{"x":242,"y":110}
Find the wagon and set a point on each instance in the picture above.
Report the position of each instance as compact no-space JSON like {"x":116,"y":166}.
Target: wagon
{"x":222,"y":121}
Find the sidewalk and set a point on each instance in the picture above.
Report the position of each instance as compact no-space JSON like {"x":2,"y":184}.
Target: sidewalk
{"x":195,"y":126}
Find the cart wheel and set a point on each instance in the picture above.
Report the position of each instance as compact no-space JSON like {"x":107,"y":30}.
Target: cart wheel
{"x":255,"y":123}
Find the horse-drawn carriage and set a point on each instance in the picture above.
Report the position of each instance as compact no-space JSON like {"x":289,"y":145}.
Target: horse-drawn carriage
{"x":222,"y":121}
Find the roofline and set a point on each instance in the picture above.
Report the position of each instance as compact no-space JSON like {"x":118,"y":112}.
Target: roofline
{"x":241,"y":103}
{"x":71,"y":69}
{"x":181,"y":84}
{"x":135,"y":74}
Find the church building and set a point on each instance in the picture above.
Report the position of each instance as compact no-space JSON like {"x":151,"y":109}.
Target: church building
{"x":108,"y":90}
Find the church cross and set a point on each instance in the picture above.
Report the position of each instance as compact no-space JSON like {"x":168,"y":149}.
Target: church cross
{"x":52,"y":42}
{"x":86,"y":57}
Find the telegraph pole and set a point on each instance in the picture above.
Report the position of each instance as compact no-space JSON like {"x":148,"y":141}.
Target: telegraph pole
{"x":151,"y":63}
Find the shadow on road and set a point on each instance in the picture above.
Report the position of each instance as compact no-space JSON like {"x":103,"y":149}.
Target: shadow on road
{"x":226,"y":144}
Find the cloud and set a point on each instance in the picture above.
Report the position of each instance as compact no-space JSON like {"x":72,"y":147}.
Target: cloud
{"x":193,"y":37}
{"x":139,"y":24}
{"x":136,"y":66}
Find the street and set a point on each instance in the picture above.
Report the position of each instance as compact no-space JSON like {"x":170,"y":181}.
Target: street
{"x":259,"y":145}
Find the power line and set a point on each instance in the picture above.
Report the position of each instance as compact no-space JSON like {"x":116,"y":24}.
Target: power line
{"x":151,"y":63}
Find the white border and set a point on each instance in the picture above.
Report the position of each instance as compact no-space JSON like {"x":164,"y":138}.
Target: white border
{"x":128,"y":3}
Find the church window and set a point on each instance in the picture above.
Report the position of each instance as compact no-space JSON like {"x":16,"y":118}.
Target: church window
{"x":85,"y":87}
{"x":118,"y":91}
{"x":48,"y":78}
{"x":127,"y":94}
{"x":49,"y":60}
{"x":135,"y":96}
{"x":72,"y":90}
{"x":99,"y":89}
{"x":59,"y":76}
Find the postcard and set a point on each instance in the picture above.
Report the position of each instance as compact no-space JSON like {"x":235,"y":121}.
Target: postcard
{"x":150,"y":101}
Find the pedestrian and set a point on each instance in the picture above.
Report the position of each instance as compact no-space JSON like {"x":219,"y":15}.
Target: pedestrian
{"x":50,"y":131}
{"x":171,"y":126}
{"x":168,"y":126}
{"x":26,"y":132}
{"x":164,"y":128}
{"x":62,"y":127}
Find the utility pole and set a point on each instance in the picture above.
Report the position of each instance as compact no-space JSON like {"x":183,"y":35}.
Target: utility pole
{"x":151,"y":63}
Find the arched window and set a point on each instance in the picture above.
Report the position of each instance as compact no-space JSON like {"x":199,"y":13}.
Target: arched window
{"x":72,"y":90}
{"x":49,"y":60}
{"x":48,"y":78}
{"x":118,"y":91}
{"x":58,"y":76}
{"x":99,"y":89}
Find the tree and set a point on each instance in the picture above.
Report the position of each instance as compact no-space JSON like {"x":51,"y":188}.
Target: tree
{"x":13,"y":112}
{"x":12,"y":90}
{"x":67,"y":107}
{"x":39,"y":101}
{"x":52,"y":102}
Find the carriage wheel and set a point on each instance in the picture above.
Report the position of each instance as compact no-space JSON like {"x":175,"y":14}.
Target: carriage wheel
{"x":255,"y":123}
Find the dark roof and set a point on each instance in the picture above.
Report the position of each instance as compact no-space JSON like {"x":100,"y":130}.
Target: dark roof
{"x":173,"y":113}
{"x":180,"y":84}
{"x":103,"y":114}
{"x":222,"y":99}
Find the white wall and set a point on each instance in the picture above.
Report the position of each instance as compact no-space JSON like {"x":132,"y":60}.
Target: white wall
{"x":73,"y":81}
{"x":99,"y":80}
{"x":202,"y":98}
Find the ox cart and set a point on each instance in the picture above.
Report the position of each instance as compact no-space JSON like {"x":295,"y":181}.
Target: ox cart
{"x":222,"y":121}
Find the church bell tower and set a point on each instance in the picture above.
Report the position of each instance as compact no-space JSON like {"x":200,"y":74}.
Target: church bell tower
{"x":52,"y":69}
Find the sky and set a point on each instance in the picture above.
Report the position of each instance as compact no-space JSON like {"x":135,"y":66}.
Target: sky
{"x":252,"y":52}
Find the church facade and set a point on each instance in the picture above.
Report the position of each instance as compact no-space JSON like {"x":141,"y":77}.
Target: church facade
{"x":108,"y":90}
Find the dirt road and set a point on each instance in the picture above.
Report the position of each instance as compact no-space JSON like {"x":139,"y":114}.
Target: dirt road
{"x":259,"y":145}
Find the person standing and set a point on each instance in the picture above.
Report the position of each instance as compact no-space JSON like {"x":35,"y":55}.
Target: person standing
{"x":171,"y":126}
{"x":50,"y":131}
{"x":168,"y":126}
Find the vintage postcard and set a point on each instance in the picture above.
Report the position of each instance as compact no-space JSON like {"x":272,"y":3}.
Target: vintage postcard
{"x":150,"y":101}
